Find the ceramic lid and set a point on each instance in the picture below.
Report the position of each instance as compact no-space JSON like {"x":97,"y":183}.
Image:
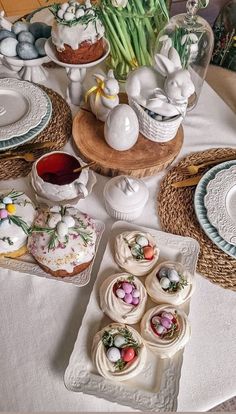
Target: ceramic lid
{"x":125,"y":194}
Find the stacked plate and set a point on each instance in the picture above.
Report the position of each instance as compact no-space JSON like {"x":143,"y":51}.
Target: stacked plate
{"x":215,"y":205}
{"x":25,"y":110}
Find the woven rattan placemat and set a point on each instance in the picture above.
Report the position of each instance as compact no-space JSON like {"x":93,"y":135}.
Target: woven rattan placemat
{"x":177,"y":215}
{"x":58,"y":131}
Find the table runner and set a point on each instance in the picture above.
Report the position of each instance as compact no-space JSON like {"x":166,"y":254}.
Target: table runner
{"x":41,"y":317}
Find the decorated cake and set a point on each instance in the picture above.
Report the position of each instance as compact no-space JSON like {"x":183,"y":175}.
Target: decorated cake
{"x":63,"y":241}
{"x":170,"y":283}
{"x":118,"y":352}
{"x":136,"y":252}
{"x":77,"y":32}
{"x":17,"y":214}
{"x":165,"y":330}
{"x":123,"y":298}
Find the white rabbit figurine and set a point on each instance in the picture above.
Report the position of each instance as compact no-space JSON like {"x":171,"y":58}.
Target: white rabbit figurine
{"x":4,"y":23}
{"x":103,"y":97}
{"x":166,"y":95}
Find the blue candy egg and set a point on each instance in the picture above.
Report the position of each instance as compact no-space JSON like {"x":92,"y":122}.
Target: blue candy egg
{"x":7,"y":200}
{"x":39,"y":44}
{"x":26,"y":37}
{"x":26,"y":51}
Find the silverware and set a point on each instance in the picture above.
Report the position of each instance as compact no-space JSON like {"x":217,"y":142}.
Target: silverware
{"x":189,"y":182}
{"x":194,"y":168}
{"x":27,"y":147}
{"x":27,"y":156}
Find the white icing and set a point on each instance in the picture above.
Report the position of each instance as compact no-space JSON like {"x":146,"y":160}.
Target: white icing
{"x":158,"y":295}
{"x":124,"y":258}
{"x":165,"y":348}
{"x":115,"y":307}
{"x":26,"y":211}
{"x":73,"y":36}
{"x":66,"y":256}
{"x":106,"y":368}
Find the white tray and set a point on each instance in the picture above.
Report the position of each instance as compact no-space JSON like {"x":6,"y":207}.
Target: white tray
{"x":27,"y":264}
{"x":156,"y":388}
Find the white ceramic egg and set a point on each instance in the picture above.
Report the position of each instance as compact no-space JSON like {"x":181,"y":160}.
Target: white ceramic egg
{"x":121,"y":128}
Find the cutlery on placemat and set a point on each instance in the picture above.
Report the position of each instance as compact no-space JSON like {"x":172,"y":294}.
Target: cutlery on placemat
{"x":27,"y":147}
{"x":194,"y":168}
{"x":189,"y":182}
{"x":27,"y":156}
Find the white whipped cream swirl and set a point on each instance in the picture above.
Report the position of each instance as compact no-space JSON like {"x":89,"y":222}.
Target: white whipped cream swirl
{"x":115,"y":307}
{"x":105,"y":367}
{"x":124,"y":257}
{"x":159,"y":295}
{"x":165,"y":348}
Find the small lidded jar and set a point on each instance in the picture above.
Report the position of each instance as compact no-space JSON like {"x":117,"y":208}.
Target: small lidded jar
{"x":125,"y":197}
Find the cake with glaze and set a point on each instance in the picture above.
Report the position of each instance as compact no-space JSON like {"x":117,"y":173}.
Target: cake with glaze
{"x":118,"y":352}
{"x":123,"y":298}
{"x":77,"y":32}
{"x":63,"y":241}
{"x":17,"y":214}
{"x":165,"y":330}
{"x":136,"y":252}
{"x":170,"y":283}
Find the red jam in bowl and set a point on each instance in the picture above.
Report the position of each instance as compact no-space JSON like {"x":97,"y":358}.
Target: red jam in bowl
{"x":58,"y":168}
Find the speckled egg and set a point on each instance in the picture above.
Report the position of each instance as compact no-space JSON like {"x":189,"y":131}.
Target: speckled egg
{"x":26,"y":51}
{"x":8,"y":47}
{"x":26,"y":37}
{"x":6,"y":33}
{"x":39,"y":44}
{"x":20,"y":27}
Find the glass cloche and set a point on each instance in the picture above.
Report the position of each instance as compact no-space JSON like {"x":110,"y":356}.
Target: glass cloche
{"x":193,"y":38}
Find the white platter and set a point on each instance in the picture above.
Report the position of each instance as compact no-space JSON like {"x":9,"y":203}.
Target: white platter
{"x":23,"y":105}
{"x":220,"y":202}
{"x":156,"y":388}
{"x":27,"y":264}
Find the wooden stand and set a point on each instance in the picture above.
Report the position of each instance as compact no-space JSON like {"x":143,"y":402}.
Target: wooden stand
{"x":144,"y":159}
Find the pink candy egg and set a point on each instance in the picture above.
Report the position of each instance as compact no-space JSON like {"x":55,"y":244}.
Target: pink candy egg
{"x":120,"y":293}
{"x":167,"y":315}
{"x":127,"y":287}
{"x":135,"y":301}
{"x":128,"y":298}
{"x":166,"y":323}
{"x":156,"y":320}
{"x":135,"y":293}
{"x":3,"y":214}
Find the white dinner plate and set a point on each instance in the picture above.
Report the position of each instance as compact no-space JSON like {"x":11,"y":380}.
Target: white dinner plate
{"x":220,"y":203}
{"x":22,"y":107}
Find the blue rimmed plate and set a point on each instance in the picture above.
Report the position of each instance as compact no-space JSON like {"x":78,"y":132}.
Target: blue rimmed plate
{"x":201,"y":211}
{"x":18,"y":140}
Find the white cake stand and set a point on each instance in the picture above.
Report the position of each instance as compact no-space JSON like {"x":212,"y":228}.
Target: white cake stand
{"x":30,"y":70}
{"x":76,"y":73}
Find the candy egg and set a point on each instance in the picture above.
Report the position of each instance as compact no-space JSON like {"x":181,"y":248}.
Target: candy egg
{"x":127,"y":354}
{"x":18,"y":27}
{"x":128,"y":298}
{"x":166,"y":323}
{"x":62,"y":229}
{"x":148,"y":252}
{"x":135,"y":293}
{"x":68,"y":220}
{"x":2,"y":205}
{"x":160,"y":329}
{"x":135,"y":301}
{"x":64,"y":6}
{"x":113,"y":354}
{"x":120,"y":293}
{"x":60,"y":13}
{"x":26,"y":36}
{"x":11,"y":208}
{"x":39,"y":44}
{"x":68,"y":16}
{"x":7,"y":200}
{"x":165,"y":283}
{"x":71,"y":9}
{"x":79,"y":13}
{"x":135,"y":249}
{"x":3,"y":214}
{"x":156,"y":320}
{"x":53,"y":220}
{"x":127,"y":287}
{"x":142,"y":241}
{"x":173,"y":275}
{"x":167,"y":315}
{"x":119,"y":341}
{"x":163,"y":272}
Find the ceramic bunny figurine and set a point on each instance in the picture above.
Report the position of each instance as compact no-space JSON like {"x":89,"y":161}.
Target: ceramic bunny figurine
{"x":103,"y":97}
{"x":4,"y":23}
{"x":163,"y":89}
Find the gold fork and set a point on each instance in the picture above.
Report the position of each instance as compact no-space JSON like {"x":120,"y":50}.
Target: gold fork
{"x":28,"y":156}
{"x":194,"y":169}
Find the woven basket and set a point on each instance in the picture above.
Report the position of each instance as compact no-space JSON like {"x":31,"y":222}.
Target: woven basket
{"x":157,"y":131}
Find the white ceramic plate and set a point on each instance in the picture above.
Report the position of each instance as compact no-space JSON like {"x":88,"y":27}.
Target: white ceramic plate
{"x":32,"y":133}
{"x":156,"y":388}
{"x":27,"y":264}
{"x":22,"y":107}
{"x":220,"y":202}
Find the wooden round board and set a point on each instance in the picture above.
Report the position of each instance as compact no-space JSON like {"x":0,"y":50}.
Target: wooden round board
{"x":145,"y":158}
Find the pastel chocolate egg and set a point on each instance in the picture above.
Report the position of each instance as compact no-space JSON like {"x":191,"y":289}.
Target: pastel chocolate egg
{"x":113,"y":354}
{"x":119,"y":340}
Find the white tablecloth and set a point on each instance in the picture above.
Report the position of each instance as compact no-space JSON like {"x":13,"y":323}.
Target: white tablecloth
{"x":40,"y":318}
